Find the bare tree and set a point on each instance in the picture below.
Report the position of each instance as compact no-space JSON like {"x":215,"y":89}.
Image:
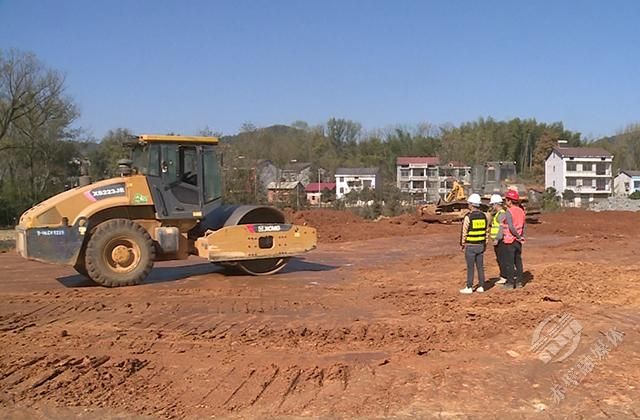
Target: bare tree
{"x":29,"y":90}
{"x":343,"y":132}
{"x":35,"y":114}
{"x":208,"y":132}
{"x":248,"y":127}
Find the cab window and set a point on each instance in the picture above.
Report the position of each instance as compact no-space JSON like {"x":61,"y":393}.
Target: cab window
{"x":212,"y":181}
{"x":140,"y":158}
{"x":189,"y":165}
{"x":170,"y":163}
{"x":154,"y":160}
{"x":180,"y":164}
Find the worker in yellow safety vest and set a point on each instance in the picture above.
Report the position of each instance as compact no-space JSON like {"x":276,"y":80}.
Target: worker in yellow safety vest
{"x":473,"y":240}
{"x":496,"y":234}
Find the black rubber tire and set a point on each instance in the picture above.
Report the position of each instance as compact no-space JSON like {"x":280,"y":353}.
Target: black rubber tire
{"x":99,"y":265}
{"x":262,"y":267}
{"x":80,"y":265}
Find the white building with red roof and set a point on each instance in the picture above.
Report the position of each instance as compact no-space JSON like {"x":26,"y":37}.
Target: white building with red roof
{"x":315,"y":190}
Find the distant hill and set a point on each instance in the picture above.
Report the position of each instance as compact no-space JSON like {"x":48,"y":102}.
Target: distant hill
{"x":279,"y":143}
{"x":625,"y":148}
{"x":278,"y":131}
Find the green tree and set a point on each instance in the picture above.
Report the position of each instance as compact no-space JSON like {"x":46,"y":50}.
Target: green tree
{"x":392,"y":201}
{"x":568,"y":195}
{"x":110,"y":149}
{"x":343,"y":133}
{"x":625,"y":147}
{"x":544,"y":146}
{"x":550,"y":199}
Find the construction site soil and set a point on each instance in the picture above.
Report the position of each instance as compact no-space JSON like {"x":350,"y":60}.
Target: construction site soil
{"x":370,"y":325}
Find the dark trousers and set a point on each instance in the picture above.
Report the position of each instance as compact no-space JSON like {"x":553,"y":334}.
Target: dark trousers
{"x":500,"y":257}
{"x":513,"y":262}
{"x":474,"y":255}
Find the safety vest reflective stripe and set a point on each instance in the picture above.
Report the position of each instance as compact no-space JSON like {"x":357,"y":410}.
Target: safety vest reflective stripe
{"x":495,"y":224}
{"x":477,"y":232}
{"x":517,"y":217}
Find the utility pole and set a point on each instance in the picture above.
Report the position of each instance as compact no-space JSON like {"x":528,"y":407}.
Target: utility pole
{"x":255,"y":183}
{"x":319,"y":189}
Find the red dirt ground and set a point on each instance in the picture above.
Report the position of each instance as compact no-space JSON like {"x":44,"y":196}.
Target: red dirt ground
{"x":370,"y":325}
{"x":344,"y":226}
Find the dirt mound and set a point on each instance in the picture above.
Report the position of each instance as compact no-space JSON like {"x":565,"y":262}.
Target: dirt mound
{"x":604,"y":224}
{"x":408,"y":219}
{"x":324,"y":217}
{"x":343,"y":226}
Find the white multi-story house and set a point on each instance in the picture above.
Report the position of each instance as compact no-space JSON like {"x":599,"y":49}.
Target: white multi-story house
{"x":425,"y":179}
{"x":584,"y":170}
{"x":356,"y":179}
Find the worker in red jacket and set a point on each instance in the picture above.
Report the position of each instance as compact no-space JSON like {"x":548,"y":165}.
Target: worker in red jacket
{"x":513,"y":238}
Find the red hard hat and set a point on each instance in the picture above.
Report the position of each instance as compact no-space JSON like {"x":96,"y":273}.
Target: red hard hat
{"x":512,"y":195}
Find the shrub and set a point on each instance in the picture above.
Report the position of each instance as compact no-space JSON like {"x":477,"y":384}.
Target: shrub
{"x":550,"y":199}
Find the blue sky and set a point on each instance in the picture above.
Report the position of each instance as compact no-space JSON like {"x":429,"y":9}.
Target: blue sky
{"x":159,"y":66}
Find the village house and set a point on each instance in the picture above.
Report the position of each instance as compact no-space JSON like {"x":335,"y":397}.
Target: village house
{"x":585,"y":171}
{"x":626,"y":182}
{"x":296,"y":171}
{"x":286,"y":192}
{"x":267,"y":172}
{"x":356,"y":179}
{"x":425,"y":179}
{"x":316,"y":190}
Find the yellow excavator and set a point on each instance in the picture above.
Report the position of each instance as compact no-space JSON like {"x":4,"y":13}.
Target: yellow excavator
{"x":456,"y":194}
{"x":452,"y":208}
{"x":495,"y":177}
{"x":165,"y":205}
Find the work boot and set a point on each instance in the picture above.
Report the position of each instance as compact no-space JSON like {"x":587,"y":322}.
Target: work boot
{"x":480,"y":289}
{"x":501,"y":280}
{"x":466,"y":291}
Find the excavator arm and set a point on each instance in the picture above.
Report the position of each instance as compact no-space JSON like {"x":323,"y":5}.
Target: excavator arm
{"x":456,"y":193}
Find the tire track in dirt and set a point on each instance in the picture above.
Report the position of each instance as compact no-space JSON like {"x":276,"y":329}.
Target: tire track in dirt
{"x":369,"y":342}
{"x":68,"y":380}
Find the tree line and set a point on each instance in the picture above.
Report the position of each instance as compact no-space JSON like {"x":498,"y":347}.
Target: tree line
{"x":41,"y":152}
{"x":342,"y":142}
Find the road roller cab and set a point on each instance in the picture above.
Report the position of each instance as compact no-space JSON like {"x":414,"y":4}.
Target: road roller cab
{"x":165,"y":205}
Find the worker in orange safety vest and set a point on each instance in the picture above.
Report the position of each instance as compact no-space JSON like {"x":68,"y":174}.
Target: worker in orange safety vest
{"x":513,"y":237}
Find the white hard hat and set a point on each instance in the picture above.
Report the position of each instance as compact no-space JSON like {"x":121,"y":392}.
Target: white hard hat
{"x":474,"y":199}
{"x":495,"y":199}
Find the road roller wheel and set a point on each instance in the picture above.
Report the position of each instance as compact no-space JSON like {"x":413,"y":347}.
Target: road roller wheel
{"x":262,"y":267}
{"x":119,"y":253}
